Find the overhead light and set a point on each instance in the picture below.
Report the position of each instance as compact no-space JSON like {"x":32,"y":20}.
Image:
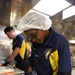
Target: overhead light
{"x":72,"y":41}
{"x":68,"y":12}
{"x":71,"y":1}
{"x":51,"y":7}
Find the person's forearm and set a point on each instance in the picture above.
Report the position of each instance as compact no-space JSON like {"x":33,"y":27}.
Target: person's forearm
{"x":13,"y":55}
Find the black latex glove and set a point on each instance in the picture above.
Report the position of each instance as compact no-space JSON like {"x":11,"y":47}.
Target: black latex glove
{"x":5,"y":64}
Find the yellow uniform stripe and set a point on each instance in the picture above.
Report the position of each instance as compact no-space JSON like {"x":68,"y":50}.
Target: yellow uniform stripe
{"x":23,"y":49}
{"x":54,"y":61}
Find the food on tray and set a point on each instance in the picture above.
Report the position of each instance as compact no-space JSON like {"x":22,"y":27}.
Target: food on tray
{"x":4,"y":70}
{"x":0,"y":65}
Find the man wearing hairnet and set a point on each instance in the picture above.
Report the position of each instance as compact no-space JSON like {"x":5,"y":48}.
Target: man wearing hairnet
{"x":50,"y":50}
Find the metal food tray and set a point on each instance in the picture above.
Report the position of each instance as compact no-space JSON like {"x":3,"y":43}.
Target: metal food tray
{"x":16,"y":70}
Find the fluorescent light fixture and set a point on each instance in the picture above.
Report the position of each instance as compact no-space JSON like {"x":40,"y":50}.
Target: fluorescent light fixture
{"x":72,"y":41}
{"x":51,"y":7}
{"x":69,"y":12}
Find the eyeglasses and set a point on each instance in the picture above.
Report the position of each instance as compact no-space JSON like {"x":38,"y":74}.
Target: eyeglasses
{"x":29,"y":38}
{"x":33,"y":36}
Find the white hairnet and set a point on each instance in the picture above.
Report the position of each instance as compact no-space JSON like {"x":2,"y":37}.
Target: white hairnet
{"x":33,"y":20}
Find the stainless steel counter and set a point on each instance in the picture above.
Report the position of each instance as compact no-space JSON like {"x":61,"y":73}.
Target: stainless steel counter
{"x":10,"y":70}
{"x":73,"y":71}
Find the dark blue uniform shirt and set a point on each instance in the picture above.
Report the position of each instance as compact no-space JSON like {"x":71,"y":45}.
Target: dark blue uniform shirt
{"x":19,"y":42}
{"x":59,"y":53}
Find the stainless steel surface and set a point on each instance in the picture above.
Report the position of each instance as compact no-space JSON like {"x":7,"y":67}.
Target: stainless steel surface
{"x":10,"y":69}
{"x":2,"y":61}
{"x":73,"y":71}
{"x":4,"y":51}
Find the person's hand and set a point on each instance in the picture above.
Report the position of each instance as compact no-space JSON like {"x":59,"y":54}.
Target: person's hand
{"x":5,"y":64}
{"x":29,"y":70}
